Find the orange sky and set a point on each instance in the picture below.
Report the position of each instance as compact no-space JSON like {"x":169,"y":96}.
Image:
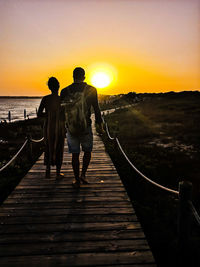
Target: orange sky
{"x":148,"y":45}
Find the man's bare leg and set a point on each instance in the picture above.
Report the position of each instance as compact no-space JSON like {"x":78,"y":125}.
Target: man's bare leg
{"x":58,"y":174}
{"x":86,"y":162}
{"x":76,"y":166}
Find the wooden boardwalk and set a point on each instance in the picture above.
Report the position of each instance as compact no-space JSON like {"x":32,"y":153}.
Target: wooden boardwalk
{"x":46,"y":222}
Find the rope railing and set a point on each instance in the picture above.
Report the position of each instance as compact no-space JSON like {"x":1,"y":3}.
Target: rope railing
{"x":37,"y":141}
{"x":107,"y":131}
{"x":131,"y":164}
{"x":145,"y":177}
{"x":194,"y":211}
{"x":15,"y":156}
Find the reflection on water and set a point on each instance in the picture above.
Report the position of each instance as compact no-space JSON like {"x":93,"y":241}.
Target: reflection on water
{"x":16,"y":106}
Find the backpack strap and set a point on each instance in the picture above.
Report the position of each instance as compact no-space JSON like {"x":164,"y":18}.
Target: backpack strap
{"x":86,"y":86}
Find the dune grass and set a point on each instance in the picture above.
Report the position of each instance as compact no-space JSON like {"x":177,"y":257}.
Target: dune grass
{"x":161,"y":137}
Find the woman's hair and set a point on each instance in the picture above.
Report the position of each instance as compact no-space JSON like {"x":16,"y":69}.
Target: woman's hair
{"x":53,"y":84}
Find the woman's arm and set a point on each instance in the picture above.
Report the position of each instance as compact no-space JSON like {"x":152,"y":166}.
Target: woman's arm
{"x":41,"y":108}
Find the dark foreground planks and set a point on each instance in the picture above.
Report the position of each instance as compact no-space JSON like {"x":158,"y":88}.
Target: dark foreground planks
{"x":133,"y":258}
{"x":46,"y":222}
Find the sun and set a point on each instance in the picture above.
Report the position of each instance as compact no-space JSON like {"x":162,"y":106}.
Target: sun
{"x":102,"y":75}
{"x":100,"y":79}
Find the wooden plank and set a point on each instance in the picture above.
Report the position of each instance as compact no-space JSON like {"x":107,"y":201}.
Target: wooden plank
{"x":73,"y":247}
{"x":65,"y":199}
{"x":73,"y":218}
{"x":67,"y":180}
{"x":66,"y":190}
{"x":64,"y":211}
{"x":62,"y":199}
{"x":71,"y":194}
{"x":67,"y":171}
{"x":97,"y":161}
{"x":90,"y":186}
{"x":75,"y":205}
{"x":94,"y":174}
{"x":81,"y":259}
{"x":71,"y":236}
{"x":90,"y":176}
{"x":64,"y":226}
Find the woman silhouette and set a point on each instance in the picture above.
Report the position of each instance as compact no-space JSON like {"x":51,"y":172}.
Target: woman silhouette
{"x":54,"y":131}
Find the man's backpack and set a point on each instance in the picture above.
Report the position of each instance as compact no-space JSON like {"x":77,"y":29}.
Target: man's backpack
{"x":76,"y":112}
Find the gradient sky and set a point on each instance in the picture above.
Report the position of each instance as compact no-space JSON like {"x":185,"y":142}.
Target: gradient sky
{"x":147,"y":45}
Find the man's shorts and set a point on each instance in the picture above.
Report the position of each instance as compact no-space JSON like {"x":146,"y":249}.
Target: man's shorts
{"x":85,"y":140}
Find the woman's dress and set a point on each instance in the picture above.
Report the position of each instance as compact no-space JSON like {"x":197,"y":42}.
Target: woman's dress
{"x":54,"y":132}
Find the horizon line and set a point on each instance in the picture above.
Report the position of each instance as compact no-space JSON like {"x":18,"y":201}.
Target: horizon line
{"x":196,"y":90}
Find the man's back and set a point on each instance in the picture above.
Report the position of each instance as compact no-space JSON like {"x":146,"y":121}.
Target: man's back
{"x":90,"y":94}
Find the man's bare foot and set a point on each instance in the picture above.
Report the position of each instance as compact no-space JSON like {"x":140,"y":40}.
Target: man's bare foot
{"x":83,"y":179}
{"x":76,"y":183}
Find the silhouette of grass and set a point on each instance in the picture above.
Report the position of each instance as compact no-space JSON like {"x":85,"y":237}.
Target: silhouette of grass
{"x":161,"y":137}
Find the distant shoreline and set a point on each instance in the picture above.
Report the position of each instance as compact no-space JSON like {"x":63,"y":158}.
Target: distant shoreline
{"x":102,"y":95}
{"x":22,"y":97}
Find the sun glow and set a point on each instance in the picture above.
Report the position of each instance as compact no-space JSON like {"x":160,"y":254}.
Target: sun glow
{"x":100,"y":80}
{"x":102,"y":75}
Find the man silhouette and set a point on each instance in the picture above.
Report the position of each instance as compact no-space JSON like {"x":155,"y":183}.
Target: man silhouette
{"x":86,"y":94}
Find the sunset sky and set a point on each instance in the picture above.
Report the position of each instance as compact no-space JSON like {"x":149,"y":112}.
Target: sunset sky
{"x":143,"y":45}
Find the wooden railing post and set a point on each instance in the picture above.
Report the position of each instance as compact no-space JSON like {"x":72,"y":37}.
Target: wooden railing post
{"x":9,"y":116}
{"x":184,"y":219}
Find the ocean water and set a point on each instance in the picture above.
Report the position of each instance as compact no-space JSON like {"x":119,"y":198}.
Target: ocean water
{"x":16,"y":106}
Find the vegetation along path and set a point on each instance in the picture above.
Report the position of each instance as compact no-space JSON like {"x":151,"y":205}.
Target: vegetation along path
{"x":48,"y":222}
